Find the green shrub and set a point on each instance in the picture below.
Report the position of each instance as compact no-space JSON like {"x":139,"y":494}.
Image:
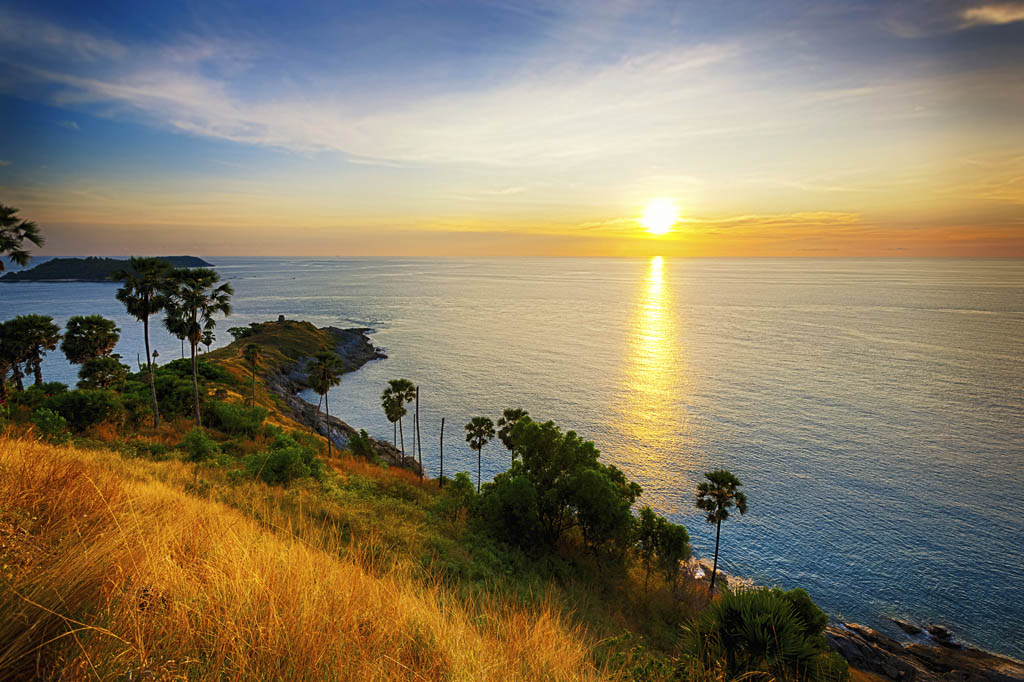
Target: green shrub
{"x":198,"y":446}
{"x":35,"y":396}
{"x":87,"y":407}
{"x":764,"y":630}
{"x":360,"y":445}
{"x":235,"y":419}
{"x":52,"y":427}
{"x":458,"y":497}
{"x":103,"y":373}
{"x":507,"y":509}
{"x":285,"y":461}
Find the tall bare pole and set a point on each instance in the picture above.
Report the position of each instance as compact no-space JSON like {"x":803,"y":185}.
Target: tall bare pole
{"x":419,"y":441}
{"x":440,"y":476}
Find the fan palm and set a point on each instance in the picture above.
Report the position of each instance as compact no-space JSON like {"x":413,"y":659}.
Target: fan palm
{"x":404,"y":391}
{"x":88,"y":337}
{"x":142,"y":297}
{"x":717,"y":496}
{"x":508,"y":420}
{"x":193,"y":298}
{"x":33,"y":335}
{"x":393,"y":410}
{"x":479,"y":430}
{"x":14,"y":232}
{"x":325,"y":373}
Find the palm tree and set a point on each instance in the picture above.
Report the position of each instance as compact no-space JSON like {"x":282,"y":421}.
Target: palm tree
{"x":193,"y":298}
{"x":33,"y":336}
{"x":142,"y":297}
{"x":208,"y":339}
{"x":87,"y":337}
{"x":717,"y":496}
{"x":251,"y":353}
{"x":393,"y":410}
{"x":508,"y":420}
{"x":9,"y":360}
{"x":324,"y":373}
{"x":404,"y":391}
{"x":479,"y":430}
{"x":13,"y":235}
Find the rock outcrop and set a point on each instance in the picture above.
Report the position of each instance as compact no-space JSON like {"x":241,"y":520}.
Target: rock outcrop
{"x":355,"y":350}
{"x":869,"y":650}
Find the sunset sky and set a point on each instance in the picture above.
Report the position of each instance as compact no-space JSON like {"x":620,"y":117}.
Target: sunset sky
{"x":515,"y":128}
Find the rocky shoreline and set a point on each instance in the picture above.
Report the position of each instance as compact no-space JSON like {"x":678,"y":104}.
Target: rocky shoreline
{"x":354,"y":348}
{"x":937,"y":657}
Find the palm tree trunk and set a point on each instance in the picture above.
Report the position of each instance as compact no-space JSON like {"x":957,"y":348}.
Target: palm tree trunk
{"x":401,"y":438}
{"x":419,"y":440}
{"x":37,"y":370}
{"x":478,"y":470}
{"x":183,"y":348}
{"x":714,"y":568}
{"x":152,"y":380}
{"x":440,"y":476}
{"x":327,"y":409}
{"x":19,"y":377}
{"x":195,"y":383}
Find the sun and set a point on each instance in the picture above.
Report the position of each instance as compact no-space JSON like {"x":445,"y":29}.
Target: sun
{"x":660,"y":215}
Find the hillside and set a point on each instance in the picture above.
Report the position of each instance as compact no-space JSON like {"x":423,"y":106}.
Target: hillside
{"x":91,"y":269}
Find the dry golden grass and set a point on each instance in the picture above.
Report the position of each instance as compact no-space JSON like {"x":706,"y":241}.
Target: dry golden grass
{"x":116,"y":573}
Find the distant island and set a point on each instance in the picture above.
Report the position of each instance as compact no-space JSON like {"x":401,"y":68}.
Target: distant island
{"x":91,"y":269}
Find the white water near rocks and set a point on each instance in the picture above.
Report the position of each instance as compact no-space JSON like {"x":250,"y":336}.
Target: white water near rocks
{"x":872,"y":408}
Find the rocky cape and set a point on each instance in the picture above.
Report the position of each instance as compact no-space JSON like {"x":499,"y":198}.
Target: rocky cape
{"x":935,"y":656}
{"x":354,"y":348}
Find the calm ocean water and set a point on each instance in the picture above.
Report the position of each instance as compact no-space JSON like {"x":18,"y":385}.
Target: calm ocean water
{"x":873,"y":408}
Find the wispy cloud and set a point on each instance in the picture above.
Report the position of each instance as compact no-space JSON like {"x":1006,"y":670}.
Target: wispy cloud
{"x":24,"y":32}
{"x":70,"y":125}
{"x":995,"y":14}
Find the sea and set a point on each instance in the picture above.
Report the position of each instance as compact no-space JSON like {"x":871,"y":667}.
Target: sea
{"x":873,"y":409}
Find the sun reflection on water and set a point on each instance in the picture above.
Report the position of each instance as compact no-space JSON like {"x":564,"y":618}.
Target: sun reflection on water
{"x":651,"y":413}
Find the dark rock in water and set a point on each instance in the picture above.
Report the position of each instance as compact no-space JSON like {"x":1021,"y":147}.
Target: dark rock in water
{"x":871,"y":651}
{"x":907,"y":627}
{"x":938,"y":632}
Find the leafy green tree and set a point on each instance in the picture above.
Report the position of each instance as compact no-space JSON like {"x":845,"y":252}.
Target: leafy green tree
{"x":325,"y":373}
{"x":106,"y":372}
{"x":87,"y":337}
{"x":198,"y":446}
{"x":33,"y":336}
{"x":458,"y":498}
{"x":716,"y":497}
{"x":479,"y":430}
{"x":252,"y":355}
{"x":193,"y":298}
{"x":14,"y":232}
{"x":142,"y":296}
{"x":508,"y":420}
{"x":673,"y":547}
{"x":602,"y":498}
{"x":647,"y":540}
{"x":11,"y":357}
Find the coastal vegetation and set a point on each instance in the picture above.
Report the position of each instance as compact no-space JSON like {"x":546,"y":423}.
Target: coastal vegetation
{"x":91,"y":269}
{"x":716,"y":496}
{"x":364,"y":569}
{"x":14,"y":232}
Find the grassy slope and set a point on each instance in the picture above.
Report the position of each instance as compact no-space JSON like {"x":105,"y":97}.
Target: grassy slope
{"x":352,"y":578}
{"x":124,"y":574}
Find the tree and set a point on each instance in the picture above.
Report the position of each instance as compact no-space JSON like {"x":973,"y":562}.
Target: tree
{"x":508,"y":420}
{"x":88,"y":337}
{"x":208,"y":339}
{"x":717,"y":496}
{"x":107,"y":372}
{"x":251,"y":353}
{"x":479,"y":430}
{"x":660,"y":544}
{"x":192,"y":300}
{"x":33,"y":335}
{"x":393,"y":410}
{"x":13,"y":235}
{"x":325,"y":373}
{"x":403,"y":391}
{"x":142,"y":297}
{"x":11,"y":356}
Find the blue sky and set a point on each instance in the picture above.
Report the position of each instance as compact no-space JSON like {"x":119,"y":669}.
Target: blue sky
{"x":514,"y":127}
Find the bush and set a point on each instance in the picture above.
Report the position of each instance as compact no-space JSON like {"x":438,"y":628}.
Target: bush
{"x":507,"y":509}
{"x":35,"y":396}
{"x":198,"y":446}
{"x":87,"y":407}
{"x":360,"y":445}
{"x":765,"y":630}
{"x":235,"y":419}
{"x":52,"y":427}
{"x":284,"y":462}
{"x":103,"y":373}
{"x":458,"y":497}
